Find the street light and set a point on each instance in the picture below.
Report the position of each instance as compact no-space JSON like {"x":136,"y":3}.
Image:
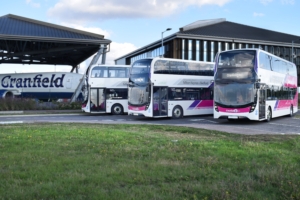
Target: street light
{"x":162,"y":40}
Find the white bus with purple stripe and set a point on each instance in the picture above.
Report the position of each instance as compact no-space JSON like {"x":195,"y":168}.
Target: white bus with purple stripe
{"x":163,"y":87}
{"x":254,"y":84}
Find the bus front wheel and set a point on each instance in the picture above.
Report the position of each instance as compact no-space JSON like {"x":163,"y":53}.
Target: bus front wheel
{"x":291,"y":111}
{"x":269,"y":114}
{"x":117,"y":109}
{"x":177,"y":112}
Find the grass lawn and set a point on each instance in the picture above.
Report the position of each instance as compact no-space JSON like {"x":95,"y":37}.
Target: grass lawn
{"x":96,"y":161}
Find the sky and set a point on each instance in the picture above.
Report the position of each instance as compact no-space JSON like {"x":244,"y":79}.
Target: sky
{"x":132,"y":24}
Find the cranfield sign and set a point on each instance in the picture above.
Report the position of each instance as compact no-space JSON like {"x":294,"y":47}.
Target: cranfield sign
{"x":39,"y":81}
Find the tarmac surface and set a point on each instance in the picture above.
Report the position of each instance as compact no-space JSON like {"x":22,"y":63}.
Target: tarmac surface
{"x":279,"y":126}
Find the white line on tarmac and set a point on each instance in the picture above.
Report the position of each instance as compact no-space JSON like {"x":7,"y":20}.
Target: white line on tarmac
{"x":12,"y":122}
{"x":35,"y":115}
{"x":285,"y":125}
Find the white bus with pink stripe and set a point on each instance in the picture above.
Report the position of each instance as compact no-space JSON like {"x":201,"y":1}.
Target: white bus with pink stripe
{"x":163,"y":87}
{"x":254,"y":84}
{"x":105,"y":89}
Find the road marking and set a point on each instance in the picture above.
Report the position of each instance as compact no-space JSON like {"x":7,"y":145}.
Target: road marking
{"x":285,"y":125}
{"x":12,"y":122}
{"x":195,"y":120}
{"x":198,"y":120}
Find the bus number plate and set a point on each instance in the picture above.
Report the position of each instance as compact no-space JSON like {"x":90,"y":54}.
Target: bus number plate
{"x":233,"y":117}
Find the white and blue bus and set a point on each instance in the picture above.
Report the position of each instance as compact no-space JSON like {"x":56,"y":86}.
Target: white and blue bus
{"x":105,"y":89}
{"x":163,"y":87}
{"x":39,"y":85}
{"x":254,"y":84}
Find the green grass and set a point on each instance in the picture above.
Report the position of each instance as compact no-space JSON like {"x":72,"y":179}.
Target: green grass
{"x":94,"y":161}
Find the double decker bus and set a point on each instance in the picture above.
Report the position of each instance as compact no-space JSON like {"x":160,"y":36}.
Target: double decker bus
{"x":162,"y":87}
{"x":254,"y":84}
{"x":105,"y":89}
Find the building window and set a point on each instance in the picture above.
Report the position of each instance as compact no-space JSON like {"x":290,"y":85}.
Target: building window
{"x":212,"y":48}
{"x":272,"y":49}
{"x":183,"y":45}
{"x":205,"y":51}
{"x":190,"y":50}
{"x":197,"y":50}
{"x":219,"y":46}
{"x":226,"y":46}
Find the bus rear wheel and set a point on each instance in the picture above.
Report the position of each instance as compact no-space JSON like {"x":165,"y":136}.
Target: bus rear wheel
{"x":177,"y":112}
{"x":269,"y":115}
{"x":117,"y":109}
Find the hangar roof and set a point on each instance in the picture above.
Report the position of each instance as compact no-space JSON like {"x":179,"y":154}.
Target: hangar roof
{"x":29,"y":41}
{"x":227,"y":29}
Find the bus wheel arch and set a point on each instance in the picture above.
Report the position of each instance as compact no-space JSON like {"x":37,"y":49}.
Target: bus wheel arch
{"x":9,"y":94}
{"x":177,"y":112}
{"x":269,"y":114}
{"x":117,"y":109}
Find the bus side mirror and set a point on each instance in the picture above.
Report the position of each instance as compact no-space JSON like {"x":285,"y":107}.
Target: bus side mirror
{"x":257,"y":85}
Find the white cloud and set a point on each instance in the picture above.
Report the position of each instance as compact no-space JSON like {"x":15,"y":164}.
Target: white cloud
{"x":289,"y":2}
{"x":116,"y":50}
{"x":285,"y":2}
{"x":258,"y":14}
{"x":88,"y":29}
{"x":33,"y":4}
{"x":80,"y":11}
{"x":265,"y":2}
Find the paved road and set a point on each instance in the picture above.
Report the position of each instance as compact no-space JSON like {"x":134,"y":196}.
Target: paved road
{"x":281,"y":125}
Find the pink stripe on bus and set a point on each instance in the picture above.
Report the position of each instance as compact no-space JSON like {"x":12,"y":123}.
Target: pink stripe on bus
{"x":290,"y":81}
{"x":136,"y":108}
{"x":234,"y":110}
{"x":205,"y":104}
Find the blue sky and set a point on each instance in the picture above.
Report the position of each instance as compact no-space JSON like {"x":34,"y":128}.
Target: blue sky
{"x":132,"y":24}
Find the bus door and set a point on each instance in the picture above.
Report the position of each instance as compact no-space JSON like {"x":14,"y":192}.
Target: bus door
{"x":262,"y":104}
{"x":160,"y":101}
{"x":97,"y":103}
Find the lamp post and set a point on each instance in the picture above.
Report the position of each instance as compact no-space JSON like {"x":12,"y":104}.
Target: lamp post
{"x":162,"y":40}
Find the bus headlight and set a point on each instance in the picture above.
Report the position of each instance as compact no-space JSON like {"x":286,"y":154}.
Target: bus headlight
{"x":216,"y":108}
{"x":252,"y":107}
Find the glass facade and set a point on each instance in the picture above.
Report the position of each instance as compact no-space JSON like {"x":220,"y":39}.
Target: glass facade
{"x":212,"y":53}
{"x":219,"y":46}
{"x":204,"y":50}
{"x":226,"y":46}
{"x":190,"y":51}
{"x":183,"y":49}
{"x":197,"y":50}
